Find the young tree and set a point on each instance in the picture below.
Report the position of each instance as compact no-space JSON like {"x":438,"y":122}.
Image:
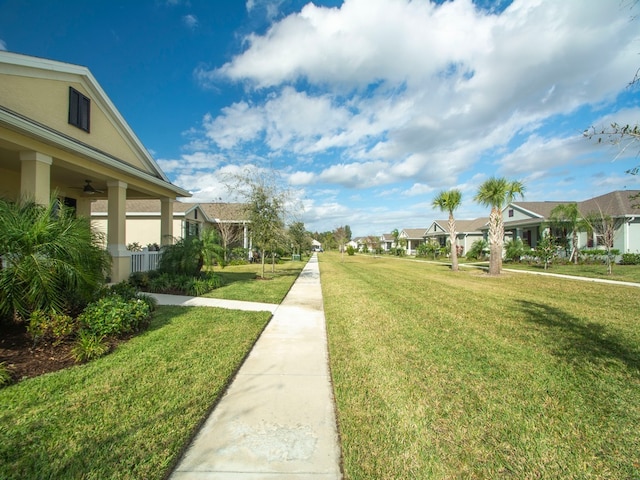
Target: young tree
{"x":497,"y":193}
{"x":299,"y":237}
{"x":265,"y":208}
{"x":340,"y":236}
{"x":449,"y":201}
{"x":229,"y":231}
{"x":604,"y":227}
{"x":546,"y":250}
{"x":567,"y":216}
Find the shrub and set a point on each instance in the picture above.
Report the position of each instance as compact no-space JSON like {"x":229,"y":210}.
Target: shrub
{"x":5,"y":376}
{"x":350,"y":250}
{"x":514,"y":250}
{"x":630,"y":259}
{"x":88,"y":347}
{"x":139,"y":280}
{"x":478,"y":250}
{"x":114,"y":315}
{"x":50,"y":325}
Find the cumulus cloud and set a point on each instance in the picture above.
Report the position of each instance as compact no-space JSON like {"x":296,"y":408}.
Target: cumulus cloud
{"x":412,"y":92}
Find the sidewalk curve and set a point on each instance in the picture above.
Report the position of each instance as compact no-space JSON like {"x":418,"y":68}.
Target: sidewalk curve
{"x":277,"y":419}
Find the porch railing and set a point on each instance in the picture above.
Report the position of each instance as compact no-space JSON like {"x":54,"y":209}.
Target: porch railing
{"x":144,"y":261}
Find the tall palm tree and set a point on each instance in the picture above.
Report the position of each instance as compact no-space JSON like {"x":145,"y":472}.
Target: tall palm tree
{"x":449,"y":201}
{"x":497,"y":193}
{"x":567,"y":215}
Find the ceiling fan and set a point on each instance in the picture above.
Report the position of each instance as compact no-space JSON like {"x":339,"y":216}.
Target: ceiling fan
{"x":89,"y":189}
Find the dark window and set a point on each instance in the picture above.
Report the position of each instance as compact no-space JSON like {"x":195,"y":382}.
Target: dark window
{"x":511,"y":212}
{"x":79,"y":109}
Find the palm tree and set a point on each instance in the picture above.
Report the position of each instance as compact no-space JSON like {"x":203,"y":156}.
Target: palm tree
{"x":51,"y":259}
{"x":567,"y":215}
{"x":188,"y":255}
{"x":497,"y":193}
{"x":449,"y":201}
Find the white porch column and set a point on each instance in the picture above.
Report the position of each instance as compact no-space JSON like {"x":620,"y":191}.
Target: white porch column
{"x":166,"y":221}
{"x":35,"y":176}
{"x":117,"y":230}
{"x":245,"y":234}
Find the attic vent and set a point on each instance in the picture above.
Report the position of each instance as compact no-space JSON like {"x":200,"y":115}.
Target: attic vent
{"x":79,"y":109}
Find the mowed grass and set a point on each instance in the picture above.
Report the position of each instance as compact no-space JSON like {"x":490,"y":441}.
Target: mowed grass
{"x":440,"y":374}
{"x":243,"y":282}
{"x":127,"y":415}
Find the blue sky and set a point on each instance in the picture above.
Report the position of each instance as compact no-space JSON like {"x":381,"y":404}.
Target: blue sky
{"x":367,"y":108}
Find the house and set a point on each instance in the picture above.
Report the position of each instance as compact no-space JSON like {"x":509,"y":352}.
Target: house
{"x":531,"y":220}
{"x":467,"y":232}
{"x":143,"y":220}
{"x":231,"y":221}
{"x":414,"y":238}
{"x":387,"y":242}
{"x":189,"y":219}
{"x":60,"y":135}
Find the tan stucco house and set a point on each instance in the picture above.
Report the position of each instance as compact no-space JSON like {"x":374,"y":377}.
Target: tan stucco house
{"x":61,"y":135}
{"x":143,"y":221}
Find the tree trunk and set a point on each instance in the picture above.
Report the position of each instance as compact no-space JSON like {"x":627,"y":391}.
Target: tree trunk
{"x":452,"y":241}
{"x":496,"y":236}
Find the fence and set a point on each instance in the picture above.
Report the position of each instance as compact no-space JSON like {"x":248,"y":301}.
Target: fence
{"x":144,"y":261}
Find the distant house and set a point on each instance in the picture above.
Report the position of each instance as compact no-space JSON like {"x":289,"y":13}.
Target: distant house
{"x":414,"y":238}
{"x":387,"y":242}
{"x":467,"y":232}
{"x":531,"y":220}
{"x":189,"y":219}
{"x":61,"y":135}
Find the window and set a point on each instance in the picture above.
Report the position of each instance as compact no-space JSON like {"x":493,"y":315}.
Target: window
{"x":79,"y":109}
{"x":511,"y":212}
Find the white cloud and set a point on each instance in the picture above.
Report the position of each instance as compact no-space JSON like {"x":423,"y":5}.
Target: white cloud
{"x":3,"y":45}
{"x":191,"y":21}
{"x":413,"y":96}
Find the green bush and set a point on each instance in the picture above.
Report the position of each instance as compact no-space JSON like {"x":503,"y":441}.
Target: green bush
{"x":114,"y":315}
{"x":478,"y":250}
{"x":350,"y":250}
{"x":50,"y":326}
{"x":514,"y":250}
{"x":5,"y":376}
{"x":630,"y":259}
{"x":89,"y":346}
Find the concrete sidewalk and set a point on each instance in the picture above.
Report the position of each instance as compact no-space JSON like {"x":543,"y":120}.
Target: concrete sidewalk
{"x":277,"y":419}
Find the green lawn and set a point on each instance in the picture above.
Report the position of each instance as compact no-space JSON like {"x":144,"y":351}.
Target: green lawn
{"x":127,"y":415}
{"x":623,"y":273}
{"x":440,"y":374}
{"x":243,"y":282}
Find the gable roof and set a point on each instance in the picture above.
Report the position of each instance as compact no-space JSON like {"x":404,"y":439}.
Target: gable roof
{"x":463,"y":226}
{"x":615,"y":204}
{"x":413,"y":232}
{"x":33,"y":123}
{"x":225,"y":212}
{"x":536,"y":209}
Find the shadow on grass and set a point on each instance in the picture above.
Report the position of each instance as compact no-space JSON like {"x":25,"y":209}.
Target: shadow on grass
{"x":579,"y":341}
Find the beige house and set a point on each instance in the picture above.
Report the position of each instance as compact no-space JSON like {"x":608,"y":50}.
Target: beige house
{"x":143,"y":223}
{"x":61,"y":135}
{"x":414,"y":238}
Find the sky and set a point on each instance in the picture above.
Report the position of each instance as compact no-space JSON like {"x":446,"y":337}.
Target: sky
{"x":365,"y":109}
